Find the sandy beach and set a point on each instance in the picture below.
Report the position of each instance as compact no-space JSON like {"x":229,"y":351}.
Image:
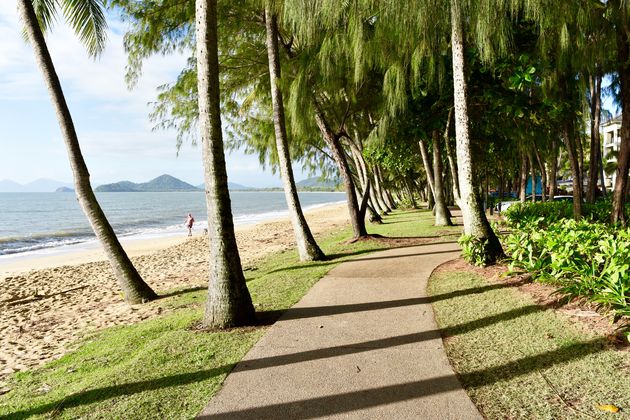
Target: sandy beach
{"x":48,"y":302}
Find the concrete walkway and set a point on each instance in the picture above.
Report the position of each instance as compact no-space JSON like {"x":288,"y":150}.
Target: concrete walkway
{"x":361,"y":344}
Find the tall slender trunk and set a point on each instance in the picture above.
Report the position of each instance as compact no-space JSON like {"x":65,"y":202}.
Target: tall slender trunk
{"x":441,"y":210}
{"x":451,"y":160}
{"x":475,"y":222}
{"x":386,"y":198}
{"x":543,"y":173}
{"x":135,"y":290}
{"x":623,"y":160}
{"x":602,"y":175}
{"x":568,"y":137}
{"x":308,"y":249}
{"x":595,"y":83}
{"x":532,"y":170}
{"x":522,"y":188}
{"x":229,"y":303}
{"x":553,"y":170}
{"x":357,"y":219}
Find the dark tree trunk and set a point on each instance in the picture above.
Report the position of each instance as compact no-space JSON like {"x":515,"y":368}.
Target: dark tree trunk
{"x":595,"y":108}
{"x":532,"y":170}
{"x":543,"y":174}
{"x":623,"y":160}
{"x":441,"y":210}
{"x":135,"y":290}
{"x":553,"y":170}
{"x":357,"y":219}
{"x":522,"y":189}
{"x":568,"y":137}
{"x":308,"y":249}
{"x":229,"y":303}
{"x":475,"y":221}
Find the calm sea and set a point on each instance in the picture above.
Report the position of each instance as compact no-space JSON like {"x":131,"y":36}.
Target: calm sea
{"x":39,"y":221}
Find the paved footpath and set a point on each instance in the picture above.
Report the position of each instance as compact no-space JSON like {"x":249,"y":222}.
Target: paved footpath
{"x":361,"y":344}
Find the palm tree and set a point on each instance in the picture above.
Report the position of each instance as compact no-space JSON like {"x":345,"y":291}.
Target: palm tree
{"x":307,"y":247}
{"x":86,"y":16}
{"x":475,"y":221}
{"x":229,"y":303}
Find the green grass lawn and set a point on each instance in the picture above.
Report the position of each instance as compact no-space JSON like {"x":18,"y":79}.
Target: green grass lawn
{"x":518,"y":360}
{"x":165,"y":368}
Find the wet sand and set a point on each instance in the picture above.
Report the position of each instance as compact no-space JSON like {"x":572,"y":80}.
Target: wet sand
{"x":49,"y":302}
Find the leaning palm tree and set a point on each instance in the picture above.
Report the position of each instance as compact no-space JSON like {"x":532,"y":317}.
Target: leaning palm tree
{"x":307,"y":247}
{"x":229,"y":303}
{"x":86,"y":16}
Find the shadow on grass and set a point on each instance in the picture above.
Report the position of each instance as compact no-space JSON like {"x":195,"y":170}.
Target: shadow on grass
{"x":343,"y":257}
{"x":374,"y":397}
{"x":181,"y":292}
{"x":350,"y":401}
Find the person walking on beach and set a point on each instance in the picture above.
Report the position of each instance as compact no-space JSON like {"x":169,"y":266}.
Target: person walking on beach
{"x":189,"y":223}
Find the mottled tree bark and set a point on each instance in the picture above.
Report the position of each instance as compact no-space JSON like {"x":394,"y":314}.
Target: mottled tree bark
{"x":623,"y":160}
{"x":441,"y":210}
{"x":568,"y":136}
{"x":475,"y":222}
{"x":553,"y":170}
{"x":308,"y":249}
{"x":357,"y":219}
{"x":135,"y":290}
{"x":532,"y":170}
{"x":229,"y":303}
{"x":522,"y":188}
{"x":595,"y":86}
{"x":543,"y":173}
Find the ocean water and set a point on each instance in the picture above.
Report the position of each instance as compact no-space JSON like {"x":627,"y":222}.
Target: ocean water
{"x":44,"y":221}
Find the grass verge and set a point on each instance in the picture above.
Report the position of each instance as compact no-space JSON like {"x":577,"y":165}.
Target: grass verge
{"x":163,"y":368}
{"x":519,"y":360}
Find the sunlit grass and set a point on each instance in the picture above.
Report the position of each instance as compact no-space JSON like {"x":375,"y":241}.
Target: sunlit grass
{"x":164,"y":368}
{"x":518,"y":360}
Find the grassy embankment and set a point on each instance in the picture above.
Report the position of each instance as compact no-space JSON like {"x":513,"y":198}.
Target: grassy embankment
{"x":165,"y":368}
{"x":520,"y":360}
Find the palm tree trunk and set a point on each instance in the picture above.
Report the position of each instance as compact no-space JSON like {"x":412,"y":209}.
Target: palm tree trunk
{"x":595,"y":108}
{"x":543,"y":173}
{"x":229,"y":303}
{"x":135,"y":290}
{"x":441,"y":210}
{"x":623,"y":160}
{"x":532,"y":170}
{"x":522,"y":188}
{"x":568,"y":137}
{"x":357,"y":219}
{"x":308,"y":249}
{"x":475,"y":222}
{"x":553,"y":170}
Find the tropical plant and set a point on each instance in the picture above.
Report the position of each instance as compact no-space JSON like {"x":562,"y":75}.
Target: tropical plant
{"x":87,"y":19}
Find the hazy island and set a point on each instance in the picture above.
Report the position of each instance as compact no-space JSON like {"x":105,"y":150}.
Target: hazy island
{"x":168,"y":183}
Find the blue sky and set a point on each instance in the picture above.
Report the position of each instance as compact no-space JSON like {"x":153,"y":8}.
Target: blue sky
{"x":112,"y":122}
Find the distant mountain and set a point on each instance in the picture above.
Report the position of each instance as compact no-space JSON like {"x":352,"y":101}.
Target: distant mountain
{"x":231,"y":186}
{"x":39,"y":185}
{"x":318,"y":184}
{"x":64,"y":189}
{"x":163,"y":183}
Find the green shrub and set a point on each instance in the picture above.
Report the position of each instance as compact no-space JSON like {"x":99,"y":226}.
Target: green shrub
{"x":587,"y":260}
{"x":553,"y":211}
{"x":473,"y":249}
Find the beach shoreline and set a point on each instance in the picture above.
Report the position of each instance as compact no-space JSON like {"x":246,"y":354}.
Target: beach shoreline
{"x":136,"y":245}
{"x":50,"y":302}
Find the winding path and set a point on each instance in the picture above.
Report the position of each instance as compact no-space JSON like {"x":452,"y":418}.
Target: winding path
{"x":363,"y":343}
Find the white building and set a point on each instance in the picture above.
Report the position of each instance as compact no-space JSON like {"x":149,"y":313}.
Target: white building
{"x":611,"y":133}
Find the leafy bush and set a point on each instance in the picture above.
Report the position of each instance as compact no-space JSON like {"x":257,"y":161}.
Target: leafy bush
{"x":473,"y":249}
{"x":553,"y":211}
{"x":587,"y":260}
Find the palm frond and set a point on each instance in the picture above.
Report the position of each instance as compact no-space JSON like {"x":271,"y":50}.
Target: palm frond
{"x":88,"y":21}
